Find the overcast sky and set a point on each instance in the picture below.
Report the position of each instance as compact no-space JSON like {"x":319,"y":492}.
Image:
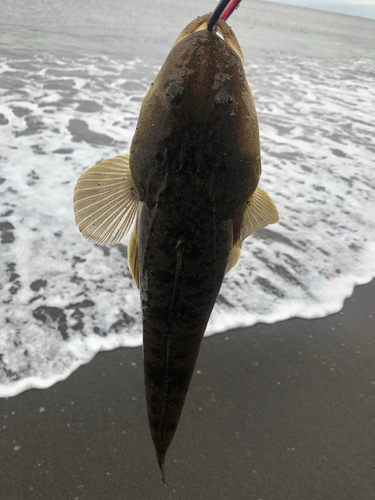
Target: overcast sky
{"x":364,"y":8}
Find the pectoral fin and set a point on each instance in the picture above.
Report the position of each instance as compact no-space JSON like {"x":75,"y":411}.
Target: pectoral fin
{"x":106,"y":201}
{"x":259,"y":212}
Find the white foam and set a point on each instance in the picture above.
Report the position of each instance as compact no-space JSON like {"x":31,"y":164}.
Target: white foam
{"x":63,"y":299}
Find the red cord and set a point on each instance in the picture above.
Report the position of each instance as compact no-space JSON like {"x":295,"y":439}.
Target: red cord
{"x":228,"y":11}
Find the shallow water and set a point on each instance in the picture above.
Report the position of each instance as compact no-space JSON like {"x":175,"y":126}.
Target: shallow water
{"x":63,"y":110}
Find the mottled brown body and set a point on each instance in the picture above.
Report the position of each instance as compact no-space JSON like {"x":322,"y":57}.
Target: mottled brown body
{"x":185,"y":155}
{"x":181,"y":270}
{"x":190,"y":183}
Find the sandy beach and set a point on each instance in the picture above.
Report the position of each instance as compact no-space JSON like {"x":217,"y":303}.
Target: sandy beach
{"x":281,"y":411}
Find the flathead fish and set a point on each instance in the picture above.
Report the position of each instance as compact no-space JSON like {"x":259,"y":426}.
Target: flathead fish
{"x":190,"y":184}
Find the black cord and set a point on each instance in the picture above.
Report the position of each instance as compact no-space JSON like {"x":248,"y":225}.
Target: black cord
{"x":216,"y":14}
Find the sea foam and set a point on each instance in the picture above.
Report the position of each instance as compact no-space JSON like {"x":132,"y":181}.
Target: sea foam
{"x":64,"y":299}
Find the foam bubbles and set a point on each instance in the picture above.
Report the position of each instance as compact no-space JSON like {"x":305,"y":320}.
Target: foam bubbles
{"x":63,"y":299}
{"x":317,"y":152}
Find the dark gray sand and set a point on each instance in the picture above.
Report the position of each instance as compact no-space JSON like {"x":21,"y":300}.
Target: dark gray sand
{"x":282,"y":411}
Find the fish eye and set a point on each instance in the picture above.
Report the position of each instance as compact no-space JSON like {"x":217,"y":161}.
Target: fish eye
{"x":173,"y":92}
{"x":224,"y":98}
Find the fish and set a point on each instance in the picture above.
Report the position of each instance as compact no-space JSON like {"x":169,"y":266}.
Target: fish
{"x":189,"y":188}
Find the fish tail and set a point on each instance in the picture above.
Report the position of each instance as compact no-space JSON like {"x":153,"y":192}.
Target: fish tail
{"x":161,"y":459}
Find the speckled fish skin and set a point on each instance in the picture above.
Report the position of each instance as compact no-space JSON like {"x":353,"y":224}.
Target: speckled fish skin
{"x":195,"y":160}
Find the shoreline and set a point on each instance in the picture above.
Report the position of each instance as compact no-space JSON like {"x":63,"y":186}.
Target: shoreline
{"x":283,"y":410}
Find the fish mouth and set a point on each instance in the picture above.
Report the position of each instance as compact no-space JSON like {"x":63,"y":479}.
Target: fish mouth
{"x":200,"y":24}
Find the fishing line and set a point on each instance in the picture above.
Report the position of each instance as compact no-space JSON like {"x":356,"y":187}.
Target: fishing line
{"x":216,"y":14}
{"x":231,"y":7}
{"x":224,"y":10}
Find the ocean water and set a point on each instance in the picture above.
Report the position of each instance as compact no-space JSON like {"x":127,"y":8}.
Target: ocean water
{"x":72,"y":79}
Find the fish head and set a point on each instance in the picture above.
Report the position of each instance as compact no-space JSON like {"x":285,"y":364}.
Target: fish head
{"x":199,"y":117}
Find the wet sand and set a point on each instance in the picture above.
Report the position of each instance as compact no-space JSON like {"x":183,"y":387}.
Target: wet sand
{"x":283,"y":411}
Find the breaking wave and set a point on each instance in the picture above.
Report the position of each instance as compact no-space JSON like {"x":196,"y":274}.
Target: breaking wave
{"x":64,"y":299}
